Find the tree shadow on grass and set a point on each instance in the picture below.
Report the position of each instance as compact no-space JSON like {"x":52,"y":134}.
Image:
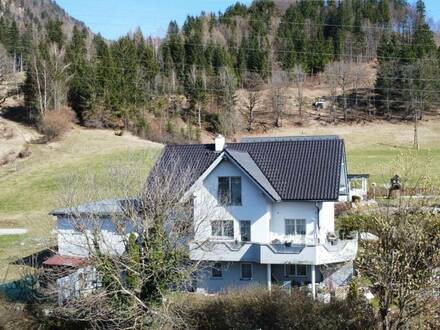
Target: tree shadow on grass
{"x":22,"y":115}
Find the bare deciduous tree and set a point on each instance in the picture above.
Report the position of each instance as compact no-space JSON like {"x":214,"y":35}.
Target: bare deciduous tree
{"x":154,"y":227}
{"x":359,"y":79}
{"x":402,"y":262}
{"x":332,"y":83}
{"x":299,"y":77}
{"x":253,"y":98}
{"x":230,"y":119}
{"x":50,"y":75}
{"x":278,"y":98}
{"x":340,"y":75}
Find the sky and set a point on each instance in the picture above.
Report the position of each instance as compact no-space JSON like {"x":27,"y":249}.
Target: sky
{"x":114,"y":18}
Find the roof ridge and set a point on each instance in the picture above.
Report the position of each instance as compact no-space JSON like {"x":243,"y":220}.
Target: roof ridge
{"x":292,"y":138}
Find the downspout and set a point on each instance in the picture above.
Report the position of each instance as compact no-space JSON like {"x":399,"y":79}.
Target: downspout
{"x":318,"y":206}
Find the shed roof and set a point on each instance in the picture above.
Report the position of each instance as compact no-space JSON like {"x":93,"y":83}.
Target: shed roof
{"x":106,"y":207}
{"x":66,"y":261}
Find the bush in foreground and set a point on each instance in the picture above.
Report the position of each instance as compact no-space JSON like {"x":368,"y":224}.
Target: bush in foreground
{"x":259,"y":309}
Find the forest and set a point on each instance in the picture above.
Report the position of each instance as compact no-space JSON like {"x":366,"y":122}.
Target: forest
{"x":171,"y":89}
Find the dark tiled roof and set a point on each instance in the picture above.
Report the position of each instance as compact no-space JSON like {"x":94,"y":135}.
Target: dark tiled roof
{"x":298,"y":169}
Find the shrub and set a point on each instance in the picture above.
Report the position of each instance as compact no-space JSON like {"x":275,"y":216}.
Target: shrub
{"x":260,"y":309}
{"x":55,"y":123}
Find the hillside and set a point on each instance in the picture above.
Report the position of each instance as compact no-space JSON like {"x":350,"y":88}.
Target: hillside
{"x":37,"y":14}
{"x":252,"y":70}
{"x":266,"y":51}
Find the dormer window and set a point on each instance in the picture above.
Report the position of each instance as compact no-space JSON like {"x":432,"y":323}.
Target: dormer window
{"x":229,"y":190}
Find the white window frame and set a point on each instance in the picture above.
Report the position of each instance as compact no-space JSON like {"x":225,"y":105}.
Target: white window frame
{"x":295,"y":227}
{"x":250,"y":230}
{"x":222,"y":236}
{"x":241,"y":271}
{"x":295,"y":267}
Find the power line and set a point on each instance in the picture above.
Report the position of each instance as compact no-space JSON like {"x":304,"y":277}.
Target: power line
{"x":212,"y":77}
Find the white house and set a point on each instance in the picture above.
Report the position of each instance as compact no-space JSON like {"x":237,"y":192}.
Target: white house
{"x":263,"y":213}
{"x":271,"y":211}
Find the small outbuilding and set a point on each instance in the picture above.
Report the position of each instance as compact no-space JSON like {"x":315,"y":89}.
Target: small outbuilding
{"x":358,"y":186}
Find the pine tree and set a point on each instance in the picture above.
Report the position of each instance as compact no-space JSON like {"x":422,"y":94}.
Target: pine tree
{"x":80,"y":91}
{"x":55,"y":33}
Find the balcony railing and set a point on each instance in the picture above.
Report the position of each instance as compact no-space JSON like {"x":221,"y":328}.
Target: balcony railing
{"x":276,"y":253}
{"x":224,"y":251}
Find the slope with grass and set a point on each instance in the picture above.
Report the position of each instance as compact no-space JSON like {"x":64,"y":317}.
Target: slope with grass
{"x":32,"y":187}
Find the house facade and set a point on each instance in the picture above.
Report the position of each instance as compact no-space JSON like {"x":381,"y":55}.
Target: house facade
{"x":264,"y":212}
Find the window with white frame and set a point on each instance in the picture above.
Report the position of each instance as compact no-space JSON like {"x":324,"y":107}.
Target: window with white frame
{"x":295,"y":226}
{"x":229,"y":190}
{"x":245,"y":230}
{"x":291,"y":270}
{"x":246,"y":271}
{"x":223,"y":229}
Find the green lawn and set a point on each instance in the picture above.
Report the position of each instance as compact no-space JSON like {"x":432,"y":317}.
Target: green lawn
{"x":383,"y":163}
{"x":39,"y":189}
{"x":30,"y":189}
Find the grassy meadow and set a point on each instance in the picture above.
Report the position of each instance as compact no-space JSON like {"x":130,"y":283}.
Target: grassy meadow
{"x":31,"y":188}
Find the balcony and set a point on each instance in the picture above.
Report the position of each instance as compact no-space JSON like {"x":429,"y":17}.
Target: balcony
{"x":327,"y":253}
{"x":277,"y":253}
{"x":224,"y":251}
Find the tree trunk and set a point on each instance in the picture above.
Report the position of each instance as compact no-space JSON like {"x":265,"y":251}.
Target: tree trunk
{"x":37,"y":77}
{"x":251,"y":119}
{"x":416,"y":133}
{"x":14,"y":64}
{"x":345,"y":103}
{"x":199,"y":115}
{"x":388,"y":105}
